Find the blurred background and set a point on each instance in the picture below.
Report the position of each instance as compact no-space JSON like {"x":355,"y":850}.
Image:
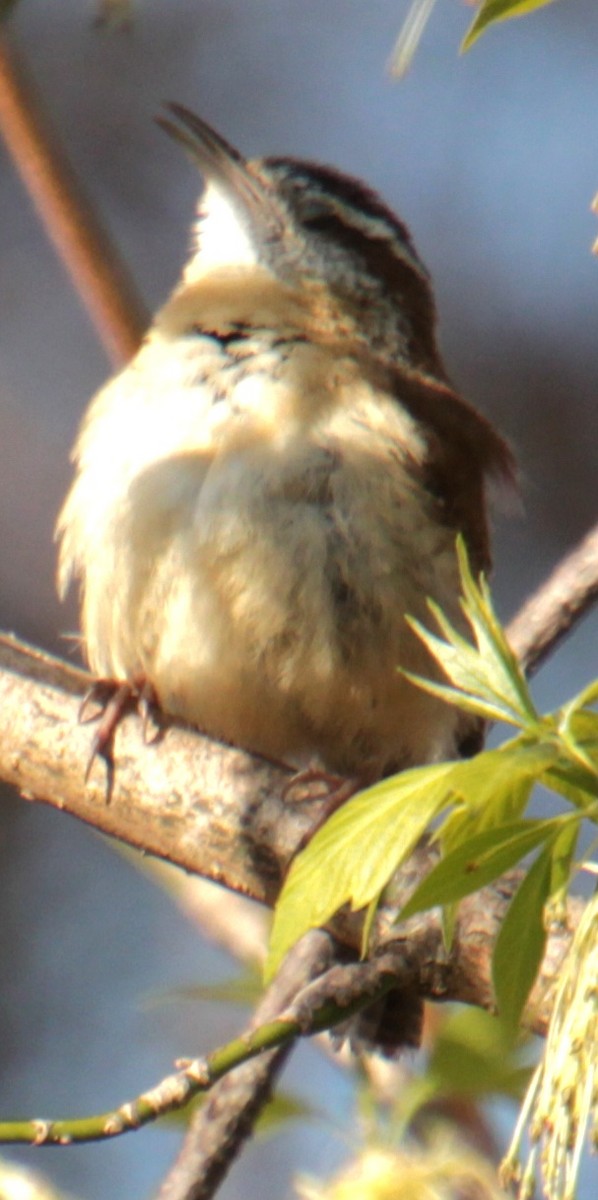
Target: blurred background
{"x":492,"y":161}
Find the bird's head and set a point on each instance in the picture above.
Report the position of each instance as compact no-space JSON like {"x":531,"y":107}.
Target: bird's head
{"x":317,"y":231}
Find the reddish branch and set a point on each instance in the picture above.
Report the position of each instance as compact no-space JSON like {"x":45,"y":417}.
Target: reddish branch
{"x":99,"y":275}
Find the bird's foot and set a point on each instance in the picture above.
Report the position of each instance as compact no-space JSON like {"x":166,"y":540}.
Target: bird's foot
{"x":106,"y":702}
{"x":335,"y":791}
{"x":301,"y":783}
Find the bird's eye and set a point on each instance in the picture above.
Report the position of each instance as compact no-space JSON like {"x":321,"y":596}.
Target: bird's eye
{"x":313,"y":208}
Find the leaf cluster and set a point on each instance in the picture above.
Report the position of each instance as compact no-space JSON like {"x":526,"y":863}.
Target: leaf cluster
{"x":477,"y":809}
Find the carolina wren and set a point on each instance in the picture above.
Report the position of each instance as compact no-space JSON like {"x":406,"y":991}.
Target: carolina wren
{"x":278,"y":477}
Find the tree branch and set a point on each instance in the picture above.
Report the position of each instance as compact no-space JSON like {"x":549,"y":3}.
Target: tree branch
{"x":212,"y":809}
{"x":219,"y":812}
{"x":98,"y":273}
{"x":558,"y":604}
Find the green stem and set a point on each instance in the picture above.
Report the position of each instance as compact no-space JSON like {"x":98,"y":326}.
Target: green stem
{"x":171,"y":1093}
{"x":196,"y":1076}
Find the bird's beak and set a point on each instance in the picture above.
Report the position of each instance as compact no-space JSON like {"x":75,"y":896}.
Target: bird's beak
{"x":223,"y":166}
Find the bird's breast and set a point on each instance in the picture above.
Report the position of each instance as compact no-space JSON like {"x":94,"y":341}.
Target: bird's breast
{"x":250,"y":524}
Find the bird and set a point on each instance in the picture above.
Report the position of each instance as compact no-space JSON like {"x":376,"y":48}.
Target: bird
{"x":276,"y":481}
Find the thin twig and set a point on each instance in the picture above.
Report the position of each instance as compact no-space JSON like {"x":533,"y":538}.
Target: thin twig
{"x":291,"y":1009}
{"x":96,"y":270}
{"x":557,"y":606}
{"x":224,"y":1123}
{"x":339,"y":991}
{"x":170,"y":1095}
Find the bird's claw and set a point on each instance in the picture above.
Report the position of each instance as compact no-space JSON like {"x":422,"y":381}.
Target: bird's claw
{"x":337,"y":789}
{"x":110,"y":699}
{"x":302,"y":781}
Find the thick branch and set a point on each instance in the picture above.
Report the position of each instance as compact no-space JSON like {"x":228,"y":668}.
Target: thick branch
{"x":212,"y":809}
{"x":219,"y":812}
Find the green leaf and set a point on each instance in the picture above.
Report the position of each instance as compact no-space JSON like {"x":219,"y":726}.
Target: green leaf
{"x":486,"y":676}
{"x":369,"y":918}
{"x":575,"y":774}
{"x":245,"y":988}
{"x":283,"y":1108}
{"x":569,"y":782}
{"x":578,"y":730}
{"x":449,"y":916}
{"x":475,"y":1054}
{"x":581,"y":703}
{"x":496,"y":785}
{"x":563,"y":849}
{"x":479,"y":861}
{"x":521,"y":941}
{"x":491,"y":639}
{"x":492,"y":11}
{"x":468,"y":692}
{"x":352,"y":857}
